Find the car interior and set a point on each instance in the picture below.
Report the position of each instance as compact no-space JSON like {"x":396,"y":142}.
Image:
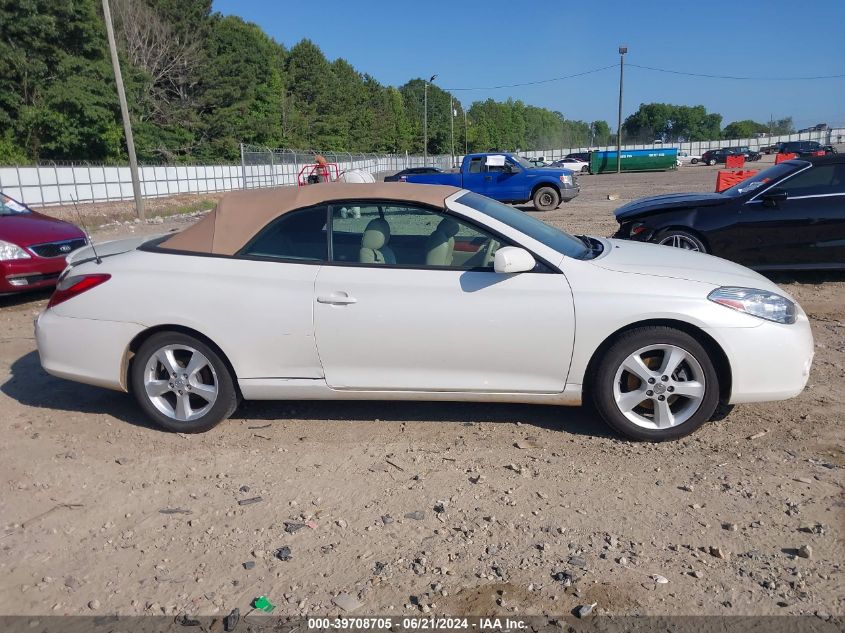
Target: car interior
{"x":377,"y":235}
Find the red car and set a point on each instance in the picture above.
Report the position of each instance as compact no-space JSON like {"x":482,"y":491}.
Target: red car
{"x":33,"y":247}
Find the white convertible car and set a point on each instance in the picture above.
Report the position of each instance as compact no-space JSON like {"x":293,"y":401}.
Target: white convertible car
{"x":396,"y":291}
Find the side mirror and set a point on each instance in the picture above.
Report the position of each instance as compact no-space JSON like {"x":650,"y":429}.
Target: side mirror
{"x":773,"y":197}
{"x":512,"y":259}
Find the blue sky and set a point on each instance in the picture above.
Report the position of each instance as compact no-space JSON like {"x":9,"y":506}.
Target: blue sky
{"x":487,"y":43}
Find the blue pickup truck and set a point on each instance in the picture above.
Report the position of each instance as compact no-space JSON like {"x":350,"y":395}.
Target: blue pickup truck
{"x":508,"y":178}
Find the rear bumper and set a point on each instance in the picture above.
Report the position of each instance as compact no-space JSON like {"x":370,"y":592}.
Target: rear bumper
{"x":20,"y":275}
{"x":84,"y":350}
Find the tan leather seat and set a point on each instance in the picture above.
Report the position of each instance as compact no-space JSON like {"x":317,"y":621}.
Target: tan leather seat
{"x":374,"y":248}
{"x":440,"y":245}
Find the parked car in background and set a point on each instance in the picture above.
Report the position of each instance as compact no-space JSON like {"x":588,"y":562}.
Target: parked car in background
{"x":750,"y":154}
{"x":509,"y":178}
{"x":412,"y":171}
{"x":716,"y":156}
{"x":538,"y":162}
{"x":440,"y":294}
{"x":33,"y":247}
{"x":583,"y":156}
{"x":789,"y":216}
{"x":575,"y":164}
{"x":686,"y":157}
{"x":804,"y":149}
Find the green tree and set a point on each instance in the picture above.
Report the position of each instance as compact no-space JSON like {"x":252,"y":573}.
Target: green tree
{"x":671,"y":122}
{"x":600,"y":133}
{"x":743,"y":129}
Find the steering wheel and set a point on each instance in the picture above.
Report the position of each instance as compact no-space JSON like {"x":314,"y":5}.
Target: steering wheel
{"x":489,"y":248}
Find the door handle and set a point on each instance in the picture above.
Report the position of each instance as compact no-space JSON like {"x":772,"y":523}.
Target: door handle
{"x":488,"y":178}
{"x":337,"y":298}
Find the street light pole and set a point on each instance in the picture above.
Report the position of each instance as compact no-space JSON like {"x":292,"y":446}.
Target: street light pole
{"x":622,"y":51}
{"x":452,"y":114}
{"x":425,"y":119}
{"x":124,"y":111}
{"x":466,"y":134}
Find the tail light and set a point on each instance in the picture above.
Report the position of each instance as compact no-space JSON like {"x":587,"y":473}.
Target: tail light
{"x":70,"y":287}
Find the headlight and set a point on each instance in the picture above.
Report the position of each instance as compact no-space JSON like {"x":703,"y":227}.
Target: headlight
{"x":12,"y":251}
{"x":566,"y":179}
{"x":760,"y":303}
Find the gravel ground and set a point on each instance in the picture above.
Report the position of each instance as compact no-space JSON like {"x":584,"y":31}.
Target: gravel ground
{"x":418,"y":507}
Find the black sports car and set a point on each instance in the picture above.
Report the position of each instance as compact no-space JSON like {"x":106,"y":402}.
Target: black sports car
{"x":411,"y":171}
{"x":789,"y":216}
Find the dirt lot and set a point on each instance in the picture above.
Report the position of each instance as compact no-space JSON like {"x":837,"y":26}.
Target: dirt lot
{"x":447,"y":508}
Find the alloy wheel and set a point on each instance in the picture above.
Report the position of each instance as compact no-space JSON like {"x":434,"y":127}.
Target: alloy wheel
{"x":180,"y":382}
{"x":659,"y":386}
{"x":680,"y":241}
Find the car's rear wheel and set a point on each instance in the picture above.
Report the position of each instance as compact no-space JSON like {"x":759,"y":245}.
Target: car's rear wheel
{"x":694,"y":161}
{"x":546,"y":199}
{"x":655,"y":384}
{"x":182,"y":383}
{"x":711,"y":162}
{"x":681,"y":239}
{"x":585,"y":169}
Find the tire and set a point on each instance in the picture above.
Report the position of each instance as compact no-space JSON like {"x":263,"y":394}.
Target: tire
{"x":711,"y":162}
{"x":585,"y":169}
{"x":694,"y":161}
{"x":546,"y":199}
{"x":650,"y":418}
{"x":679,"y":238}
{"x":191,"y":403}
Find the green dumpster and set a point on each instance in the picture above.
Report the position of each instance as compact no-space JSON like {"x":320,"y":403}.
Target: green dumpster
{"x":635,"y":160}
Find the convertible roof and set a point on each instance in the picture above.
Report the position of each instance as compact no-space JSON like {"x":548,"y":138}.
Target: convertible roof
{"x":240,"y":215}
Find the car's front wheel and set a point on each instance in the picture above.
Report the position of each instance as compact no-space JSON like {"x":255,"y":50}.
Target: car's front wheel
{"x":546,"y":199}
{"x":711,"y":162}
{"x":681,"y":239}
{"x":655,"y":384}
{"x":182,"y":383}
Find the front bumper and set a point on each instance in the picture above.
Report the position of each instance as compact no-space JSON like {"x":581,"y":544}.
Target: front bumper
{"x":570,"y":192}
{"x":769,"y":362}
{"x":21,"y":275}
{"x":85,"y":350}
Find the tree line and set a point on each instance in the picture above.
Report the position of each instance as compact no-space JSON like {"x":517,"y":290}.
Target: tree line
{"x":668,"y":122}
{"x":199,"y":83}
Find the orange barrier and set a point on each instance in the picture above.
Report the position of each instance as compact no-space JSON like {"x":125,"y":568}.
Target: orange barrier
{"x":725,"y":179}
{"x":782,"y":157}
{"x":735,"y":161}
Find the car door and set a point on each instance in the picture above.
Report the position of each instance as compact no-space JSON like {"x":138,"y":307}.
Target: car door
{"x":440,"y":318}
{"x":804,"y":228}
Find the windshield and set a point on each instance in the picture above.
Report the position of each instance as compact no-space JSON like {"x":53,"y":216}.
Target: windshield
{"x":524,"y":162}
{"x":560,"y":241}
{"x":762,"y":178}
{"x":11,"y":207}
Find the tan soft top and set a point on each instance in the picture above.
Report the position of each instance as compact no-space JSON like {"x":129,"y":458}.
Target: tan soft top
{"x":240,"y":215}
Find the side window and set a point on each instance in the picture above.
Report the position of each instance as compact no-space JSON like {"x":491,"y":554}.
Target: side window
{"x":408,"y":236}
{"x":816,"y":180}
{"x":475,"y":165}
{"x":298,"y":235}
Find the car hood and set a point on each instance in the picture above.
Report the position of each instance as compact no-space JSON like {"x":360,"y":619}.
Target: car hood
{"x":643,"y":258}
{"x":654,"y":204}
{"x":26,"y":229}
{"x":550,"y":171}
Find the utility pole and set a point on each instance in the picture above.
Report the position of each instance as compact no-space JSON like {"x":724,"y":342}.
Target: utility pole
{"x":124,"y":112}
{"x":466,"y":134}
{"x":622,"y":51}
{"x":425,"y":118}
{"x":452,"y":114}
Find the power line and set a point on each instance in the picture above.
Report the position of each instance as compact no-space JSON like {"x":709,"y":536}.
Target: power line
{"x":652,"y":68}
{"x":541,"y":81}
{"x":680,"y":72}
